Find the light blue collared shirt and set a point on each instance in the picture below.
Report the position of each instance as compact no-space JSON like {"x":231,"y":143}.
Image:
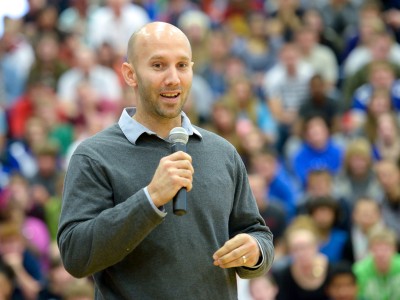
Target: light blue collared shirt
{"x":132,"y":130}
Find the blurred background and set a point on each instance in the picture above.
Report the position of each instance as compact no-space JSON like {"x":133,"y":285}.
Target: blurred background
{"x":308,"y":92}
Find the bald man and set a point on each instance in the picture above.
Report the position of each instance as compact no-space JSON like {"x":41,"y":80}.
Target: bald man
{"x":117,"y":220}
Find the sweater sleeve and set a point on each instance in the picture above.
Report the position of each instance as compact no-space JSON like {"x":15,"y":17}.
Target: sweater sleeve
{"x":94,"y":233}
{"x":245,"y":218}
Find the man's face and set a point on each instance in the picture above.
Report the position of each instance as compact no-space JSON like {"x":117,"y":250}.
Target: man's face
{"x":163,"y":72}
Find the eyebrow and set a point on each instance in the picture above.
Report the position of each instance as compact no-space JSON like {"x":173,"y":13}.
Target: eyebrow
{"x":155,"y":57}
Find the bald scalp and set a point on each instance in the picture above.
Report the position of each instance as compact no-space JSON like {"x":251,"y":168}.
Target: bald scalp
{"x":150,"y":31}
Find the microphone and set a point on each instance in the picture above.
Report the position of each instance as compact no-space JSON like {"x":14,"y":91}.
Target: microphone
{"x":179,"y":137}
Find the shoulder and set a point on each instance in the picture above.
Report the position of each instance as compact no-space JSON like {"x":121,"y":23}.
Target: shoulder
{"x":211,"y":138}
{"x":103,"y":141}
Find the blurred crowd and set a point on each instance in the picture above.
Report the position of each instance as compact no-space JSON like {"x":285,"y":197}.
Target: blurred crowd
{"x":308,"y":91}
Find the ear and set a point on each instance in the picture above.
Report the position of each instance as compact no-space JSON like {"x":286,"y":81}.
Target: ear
{"x":129,"y":74}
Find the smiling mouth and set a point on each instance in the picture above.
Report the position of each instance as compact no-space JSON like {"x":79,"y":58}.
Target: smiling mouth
{"x":170,"y":95}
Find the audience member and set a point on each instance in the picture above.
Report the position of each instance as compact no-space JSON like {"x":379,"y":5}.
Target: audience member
{"x":386,"y":144}
{"x":16,"y":58}
{"x":388,"y":174}
{"x":366,"y":216}
{"x":381,"y":76}
{"x":378,"y":51}
{"x":248,"y":106}
{"x":286,"y":86}
{"x":378,"y":276}
{"x":325,"y":213}
{"x":304,"y":278}
{"x":278,"y":186}
{"x":320,"y":57}
{"x":15,"y":254}
{"x":342,"y":282}
{"x":114,"y":23}
{"x":317,"y":150}
{"x":263,"y":288}
{"x":357,"y":177}
{"x":103,"y":79}
{"x":320,"y":102}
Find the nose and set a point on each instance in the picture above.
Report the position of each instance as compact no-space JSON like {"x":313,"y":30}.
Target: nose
{"x":172,"y":76}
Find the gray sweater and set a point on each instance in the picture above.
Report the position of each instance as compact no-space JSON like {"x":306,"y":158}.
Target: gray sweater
{"x":109,"y":229}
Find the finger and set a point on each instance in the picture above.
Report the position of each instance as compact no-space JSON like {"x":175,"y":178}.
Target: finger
{"x":248,"y":259}
{"x":229,"y":246}
{"x":231,"y":254}
{"x":179,"y":155}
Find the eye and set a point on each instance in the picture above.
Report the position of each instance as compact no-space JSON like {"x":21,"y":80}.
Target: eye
{"x":157,"y":66}
{"x":183,"y":65}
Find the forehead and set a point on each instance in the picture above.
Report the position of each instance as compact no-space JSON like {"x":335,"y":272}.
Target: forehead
{"x":162,"y":42}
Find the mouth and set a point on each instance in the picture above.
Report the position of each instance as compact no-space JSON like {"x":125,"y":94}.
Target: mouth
{"x":170,"y":95}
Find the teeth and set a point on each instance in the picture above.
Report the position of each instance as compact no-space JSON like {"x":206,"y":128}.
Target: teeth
{"x":170,"y":95}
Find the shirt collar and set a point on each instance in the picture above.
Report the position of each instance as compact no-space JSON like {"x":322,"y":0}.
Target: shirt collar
{"x":132,"y":129}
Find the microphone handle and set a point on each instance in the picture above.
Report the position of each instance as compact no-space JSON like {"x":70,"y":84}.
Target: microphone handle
{"x":179,"y":201}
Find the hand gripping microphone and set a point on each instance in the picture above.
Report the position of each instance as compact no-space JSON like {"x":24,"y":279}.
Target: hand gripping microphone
{"x":179,"y":137}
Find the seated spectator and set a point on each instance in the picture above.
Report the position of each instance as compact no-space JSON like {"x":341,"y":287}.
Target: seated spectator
{"x":320,"y":183}
{"x":248,"y":106}
{"x":387,"y":138}
{"x":320,"y":103}
{"x":365,"y":122}
{"x":388,"y":174}
{"x":341,"y":283}
{"x":317,"y":150}
{"x":251,"y":140}
{"x":381,"y":76}
{"x":378,"y":276}
{"x":223,"y":122}
{"x":286,"y":86}
{"x":320,"y":57}
{"x":47,"y":67}
{"x":17,"y":57}
{"x":74,"y":19}
{"x":196,"y":25}
{"x":60,"y":284}
{"x":20,"y":207}
{"x":104,"y":80}
{"x":325,"y":213}
{"x":288,"y":14}
{"x":305,"y":276}
{"x":357,"y":177}
{"x":366,"y":216}
{"x":15,"y":253}
{"x":327,"y":36}
{"x":339,"y":15}
{"x":213,"y":71}
{"x":379,"y":52}
{"x":257,"y":49}
{"x":114,"y":23}
{"x":279,"y":187}
{"x":263,"y":288}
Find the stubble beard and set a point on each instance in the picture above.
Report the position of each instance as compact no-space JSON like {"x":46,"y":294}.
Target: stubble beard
{"x":154,"y":107}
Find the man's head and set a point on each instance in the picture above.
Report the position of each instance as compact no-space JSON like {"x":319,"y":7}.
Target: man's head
{"x":366,"y":213}
{"x":159,"y":69}
{"x":382,"y":243}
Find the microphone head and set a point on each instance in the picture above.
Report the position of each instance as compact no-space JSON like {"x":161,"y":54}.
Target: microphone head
{"x":178,"y":135}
